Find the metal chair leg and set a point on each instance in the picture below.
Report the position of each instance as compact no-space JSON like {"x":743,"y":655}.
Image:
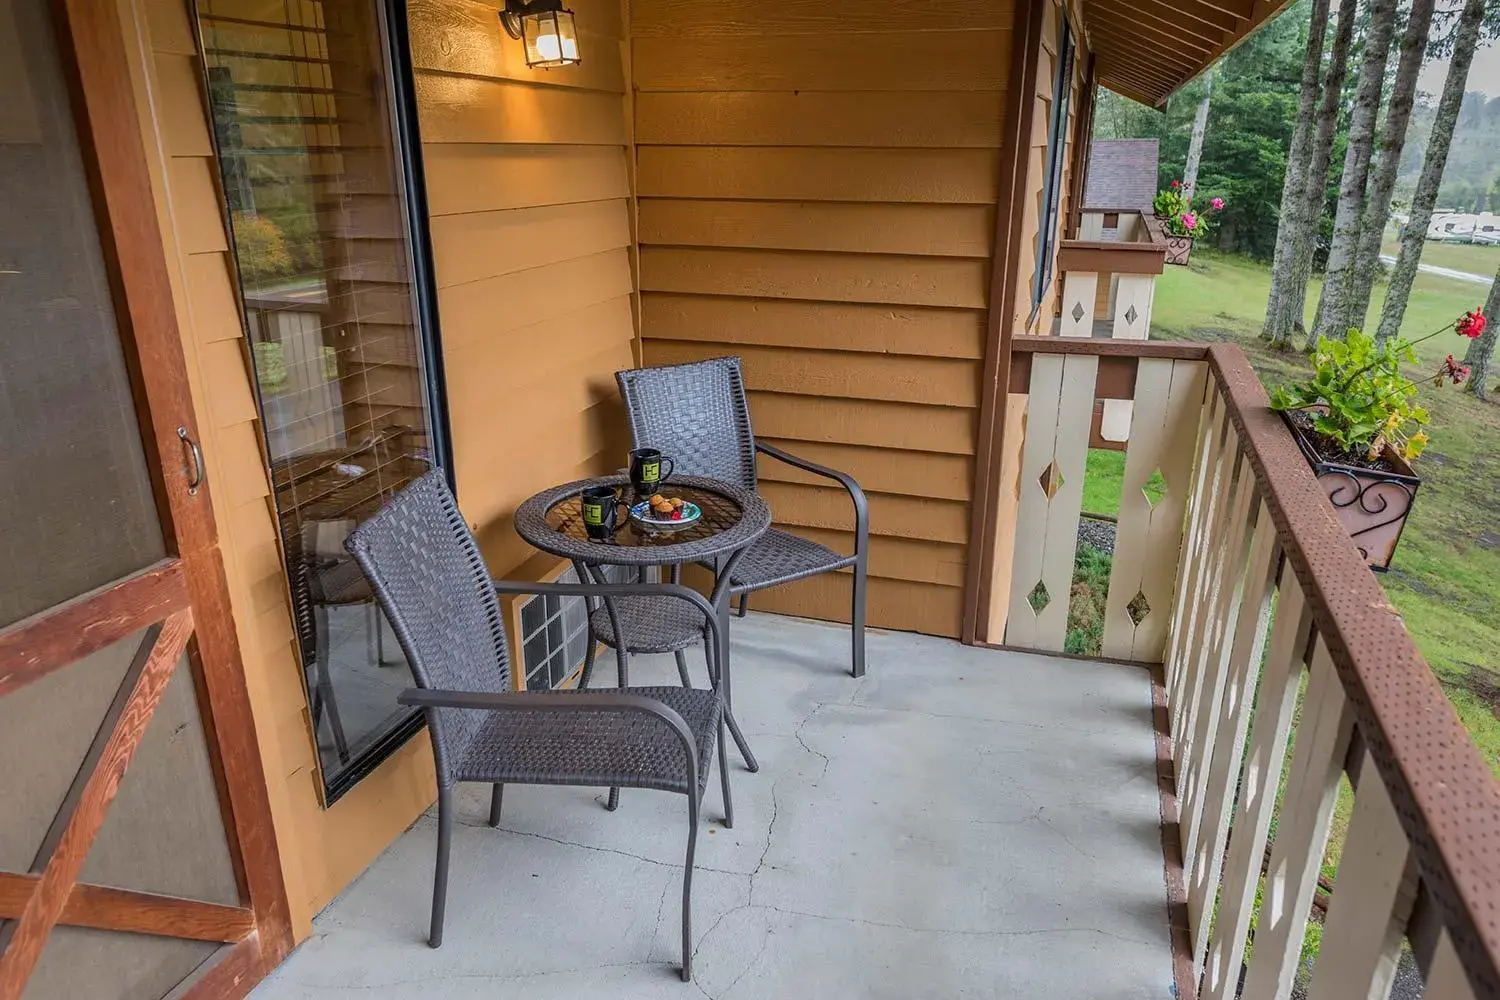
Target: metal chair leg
{"x":682,"y":670}
{"x":724,"y":779}
{"x":588,"y":665}
{"x":857,"y":616}
{"x":614,"y":800}
{"x":497,"y":797}
{"x":326,"y":698}
{"x":721,"y":681}
{"x":440,"y":874}
{"x":744,"y":603}
{"x":687,"y":888}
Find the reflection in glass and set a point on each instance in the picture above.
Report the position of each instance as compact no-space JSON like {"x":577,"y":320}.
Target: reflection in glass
{"x":313,"y":179}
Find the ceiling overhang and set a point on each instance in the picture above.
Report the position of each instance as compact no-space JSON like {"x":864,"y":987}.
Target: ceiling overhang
{"x":1148,"y":49}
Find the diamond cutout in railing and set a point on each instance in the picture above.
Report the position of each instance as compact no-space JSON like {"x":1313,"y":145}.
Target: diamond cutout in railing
{"x":1138,"y":608}
{"x":1051,"y":480}
{"x":1130,"y":315}
{"x":1155,"y":488}
{"x":1077,"y":311}
{"x":1038,"y":598}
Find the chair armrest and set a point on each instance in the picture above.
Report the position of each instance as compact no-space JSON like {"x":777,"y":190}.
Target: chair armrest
{"x":861,"y":503}
{"x":552,"y":701}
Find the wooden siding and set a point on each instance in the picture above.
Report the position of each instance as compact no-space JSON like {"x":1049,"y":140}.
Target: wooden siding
{"x":1039,"y":321}
{"x":822,"y":203}
{"x":530,"y":202}
{"x":321,"y":850}
{"x":1006,"y":484}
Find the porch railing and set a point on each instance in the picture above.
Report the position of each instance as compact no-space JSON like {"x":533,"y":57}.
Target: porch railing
{"x":1277,"y":641}
{"x":1109,"y":275}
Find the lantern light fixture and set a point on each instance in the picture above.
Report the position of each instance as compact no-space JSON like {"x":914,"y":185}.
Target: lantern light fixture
{"x":545,"y":30}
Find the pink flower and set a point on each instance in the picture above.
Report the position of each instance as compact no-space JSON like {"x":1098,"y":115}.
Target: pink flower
{"x":1189,"y":221}
{"x":1217,"y":203}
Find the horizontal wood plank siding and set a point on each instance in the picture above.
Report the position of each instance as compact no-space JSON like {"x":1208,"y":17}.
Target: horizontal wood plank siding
{"x":822,"y":203}
{"x":529,"y":191}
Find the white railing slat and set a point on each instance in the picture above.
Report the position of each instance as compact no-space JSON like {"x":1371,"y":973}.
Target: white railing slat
{"x":1373,"y":894}
{"x":1222,"y":728}
{"x":1187,"y":570}
{"x":1132,"y":316}
{"x":1079,"y":291}
{"x":1207,"y":508}
{"x":1059,"y":411}
{"x":1312,"y":790}
{"x":1168,"y":394}
{"x":1276,"y":704}
{"x":1216,"y":585}
{"x":1446,"y":979}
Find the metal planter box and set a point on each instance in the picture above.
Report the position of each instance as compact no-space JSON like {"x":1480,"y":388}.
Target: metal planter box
{"x":1371,"y":504}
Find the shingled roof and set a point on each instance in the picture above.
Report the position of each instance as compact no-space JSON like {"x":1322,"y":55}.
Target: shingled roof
{"x":1122,"y":174}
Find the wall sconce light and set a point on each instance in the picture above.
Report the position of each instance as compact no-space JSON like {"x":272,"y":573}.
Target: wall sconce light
{"x":545,"y":29}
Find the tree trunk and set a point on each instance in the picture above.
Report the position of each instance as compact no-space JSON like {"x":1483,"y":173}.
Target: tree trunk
{"x":1195,"y":145}
{"x":1310,"y":208}
{"x":1397,"y":117}
{"x":1465,"y":40}
{"x":1334,"y":315}
{"x":1482,"y":349}
{"x":1298,"y":159}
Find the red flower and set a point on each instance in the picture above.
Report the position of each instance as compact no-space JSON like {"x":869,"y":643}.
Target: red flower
{"x":1471,"y":324}
{"x":1451,"y":371}
{"x":1177,"y":184}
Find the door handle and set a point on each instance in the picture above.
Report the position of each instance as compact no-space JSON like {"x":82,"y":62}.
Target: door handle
{"x":196,"y":480}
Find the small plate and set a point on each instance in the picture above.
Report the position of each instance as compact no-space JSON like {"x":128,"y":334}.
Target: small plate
{"x":641,"y":514}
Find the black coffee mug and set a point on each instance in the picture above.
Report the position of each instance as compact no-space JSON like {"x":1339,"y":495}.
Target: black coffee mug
{"x":601,"y":511}
{"x":646,"y":472}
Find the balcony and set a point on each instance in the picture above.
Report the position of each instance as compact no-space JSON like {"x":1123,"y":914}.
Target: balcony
{"x":958,"y":819}
{"x":1002,"y":821}
{"x":1109,"y":275}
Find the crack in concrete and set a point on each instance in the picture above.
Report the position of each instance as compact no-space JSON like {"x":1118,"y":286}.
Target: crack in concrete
{"x":597,"y":849}
{"x":817,"y":707}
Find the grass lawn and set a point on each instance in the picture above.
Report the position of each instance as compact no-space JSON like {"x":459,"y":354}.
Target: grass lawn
{"x":1445,"y":579}
{"x":1472,"y":257}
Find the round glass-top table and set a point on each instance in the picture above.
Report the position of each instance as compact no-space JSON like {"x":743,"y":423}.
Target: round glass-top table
{"x":732,"y":519}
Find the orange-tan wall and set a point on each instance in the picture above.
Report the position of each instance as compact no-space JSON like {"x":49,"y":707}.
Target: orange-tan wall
{"x":1024,"y":320}
{"x":817,"y":186}
{"x":818,"y":200}
{"x":1040,"y":322}
{"x":528,"y":192}
{"x":530,"y":202}
{"x":321,"y":850}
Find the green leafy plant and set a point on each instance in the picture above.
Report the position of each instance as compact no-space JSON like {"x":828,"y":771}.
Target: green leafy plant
{"x":260,"y":247}
{"x":1169,"y":202}
{"x":1357,"y":397}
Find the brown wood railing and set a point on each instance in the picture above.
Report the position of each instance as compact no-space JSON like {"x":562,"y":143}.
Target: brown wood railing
{"x":1277,"y":640}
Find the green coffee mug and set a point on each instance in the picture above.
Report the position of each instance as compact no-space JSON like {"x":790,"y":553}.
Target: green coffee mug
{"x":646,"y":472}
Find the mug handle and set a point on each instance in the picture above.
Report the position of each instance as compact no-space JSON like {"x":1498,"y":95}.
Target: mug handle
{"x":614,"y":520}
{"x":668,"y":474}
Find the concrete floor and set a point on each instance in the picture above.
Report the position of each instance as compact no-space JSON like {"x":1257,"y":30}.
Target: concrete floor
{"x":959,"y":823}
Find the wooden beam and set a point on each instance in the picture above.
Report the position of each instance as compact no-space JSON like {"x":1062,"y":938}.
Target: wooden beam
{"x":1111,"y":258}
{"x":1196,"y":10}
{"x":83,"y":810}
{"x":35,"y":646}
{"x":1010,"y":216}
{"x":1145,"y":48}
{"x":1140,"y":72}
{"x":1168,"y":39}
{"x":106,"y":908}
{"x":1160,"y":16}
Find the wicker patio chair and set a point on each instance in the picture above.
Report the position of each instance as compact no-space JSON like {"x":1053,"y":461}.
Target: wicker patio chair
{"x":431,"y":581}
{"x":699,"y":416}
